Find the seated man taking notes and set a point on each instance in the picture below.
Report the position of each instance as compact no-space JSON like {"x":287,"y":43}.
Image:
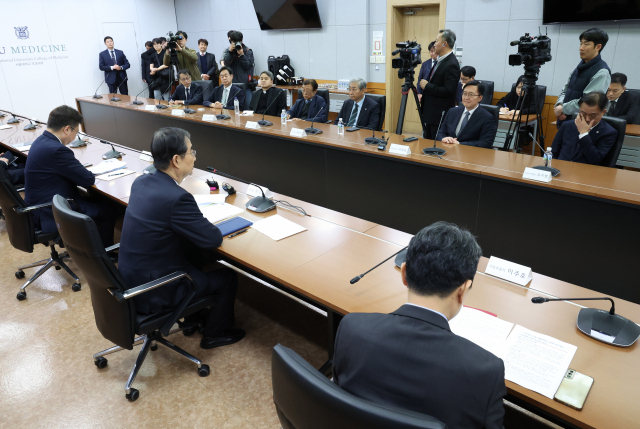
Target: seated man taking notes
{"x":359,"y":111}
{"x":187,"y":93}
{"x":164,"y":231}
{"x":223,"y":95}
{"x":469,"y":124}
{"x":311,"y":107}
{"x":410,"y":358}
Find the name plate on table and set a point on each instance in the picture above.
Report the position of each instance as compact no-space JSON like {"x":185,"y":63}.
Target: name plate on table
{"x":400,"y":149}
{"x":151,"y":107}
{"x":509,"y":271}
{"x":252,"y":124}
{"x":210,"y":118}
{"x":537,"y":175}
{"x":146,"y":156}
{"x":298,"y":132}
{"x":177,"y":112}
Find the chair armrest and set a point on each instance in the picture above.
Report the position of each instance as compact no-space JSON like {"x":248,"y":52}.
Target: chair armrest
{"x":112,"y":248}
{"x":21,"y":210}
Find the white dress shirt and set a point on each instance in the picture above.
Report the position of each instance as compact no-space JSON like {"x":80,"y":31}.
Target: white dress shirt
{"x":462,"y":117}
{"x":437,"y":312}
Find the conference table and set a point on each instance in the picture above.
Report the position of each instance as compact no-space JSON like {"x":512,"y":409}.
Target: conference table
{"x":582,"y":227}
{"x":317,"y":264}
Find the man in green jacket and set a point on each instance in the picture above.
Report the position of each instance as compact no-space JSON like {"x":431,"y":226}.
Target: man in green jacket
{"x":187,"y":58}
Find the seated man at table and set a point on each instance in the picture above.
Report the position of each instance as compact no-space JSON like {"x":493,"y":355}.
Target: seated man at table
{"x":359,"y":111}
{"x":267,"y":99}
{"x":586,"y":139}
{"x":469,"y":124}
{"x":410,"y":358}
{"x":164,"y":231}
{"x":311,"y":107}
{"x":622,"y":103}
{"x":223,"y":95}
{"x":187,"y":93}
{"x":52,"y":168}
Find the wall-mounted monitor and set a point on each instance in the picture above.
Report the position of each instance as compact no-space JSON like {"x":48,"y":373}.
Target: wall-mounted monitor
{"x":287,"y":14}
{"x":559,"y":12}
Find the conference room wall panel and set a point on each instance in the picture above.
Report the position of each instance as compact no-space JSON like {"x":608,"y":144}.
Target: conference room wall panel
{"x":351,"y":12}
{"x":352,"y":55}
{"x":296,"y":45}
{"x":482,"y":52}
{"x":323,"y":60}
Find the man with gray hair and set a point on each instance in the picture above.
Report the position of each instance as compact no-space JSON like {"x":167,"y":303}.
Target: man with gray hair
{"x":440,"y":87}
{"x":359,"y":111}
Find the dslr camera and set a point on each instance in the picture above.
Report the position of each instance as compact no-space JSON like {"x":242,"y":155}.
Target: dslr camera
{"x":172,"y":42}
{"x":409,"y":57}
{"x":532,"y":51}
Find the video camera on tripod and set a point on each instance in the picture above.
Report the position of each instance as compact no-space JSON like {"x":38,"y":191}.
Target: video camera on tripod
{"x":532,"y":51}
{"x":409,"y":58}
{"x":172,"y":42}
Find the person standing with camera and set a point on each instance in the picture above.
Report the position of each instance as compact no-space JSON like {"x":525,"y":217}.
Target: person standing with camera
{"x":187,"y":58}
{"x":238,"y":57}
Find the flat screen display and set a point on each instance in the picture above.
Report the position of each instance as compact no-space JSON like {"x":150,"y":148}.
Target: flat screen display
{"x":287,"y":14}
{"x":564,"y":11}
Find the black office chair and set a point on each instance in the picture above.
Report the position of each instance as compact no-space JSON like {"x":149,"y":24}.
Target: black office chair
{"x":247,"y":94}
{"x":207,"y":86}
{"x":382,"y":101}
{"x":494,"y":110}
{"x":115,"y":313}
{"x":322,"y":92}
{"x":488,"y":85}
{"x":306,"y":399}
{"x":24,"y":236}
{"x":620,"y":125}
{"x":541,"y":95}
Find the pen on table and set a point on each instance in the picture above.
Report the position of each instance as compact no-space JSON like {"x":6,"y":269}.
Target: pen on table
{"x":239,"y":232}
{"x":117,"y":174}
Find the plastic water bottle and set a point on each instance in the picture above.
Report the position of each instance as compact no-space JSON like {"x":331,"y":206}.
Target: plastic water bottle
{"x":340,"y":128}
{"x":283,"y":117}
{"x":548,"y":156}
{"x":236,"y":106}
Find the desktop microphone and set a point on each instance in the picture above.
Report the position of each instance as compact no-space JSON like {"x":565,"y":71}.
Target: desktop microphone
{"x":13,"y":120}
{"x":262,"y":122}
{"x":356,"y":279}
{"x":136,"y":102}
{"x":2,"y":115}
{"x":312,"y":130}
{"x":435,"y":150}
{"x":373,"y":139}
{"x":256,"y":204}
{"x":96,"y":93}
{"x":186,"y":109}
{"x":545,"y":167}
{"x":78,"y":142}
{"x":114,"y":98}
{"x":31,"y":126}
{"x":113,"y":153}
{"x":602,"y":325}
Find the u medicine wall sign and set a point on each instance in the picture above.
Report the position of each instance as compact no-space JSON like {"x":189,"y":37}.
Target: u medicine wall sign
{"x":22,"y":33}
{"x":15,"y":54}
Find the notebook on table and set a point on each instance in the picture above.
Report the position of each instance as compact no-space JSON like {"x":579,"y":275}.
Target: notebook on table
{"x":232,"y":225}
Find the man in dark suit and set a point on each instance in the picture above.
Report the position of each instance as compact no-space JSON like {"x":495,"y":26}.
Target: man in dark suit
{"x":427,"y":66}
{"x":587,"y":139}
{"x":311,"y":107}
{"x":114,"y":63}
{"x":52,"y":169}
{"x":207,"y":63}
{"x":13,"y":166}
{"x":439,"y":89}
{"x":359,"y":111}
{"x":469,"y":124}
{"x":410,"y":358}
{"x":163,"y":232}
{"x":267,"y":99}
{"x":187,"y":92}
{"x":222,"y":96}
{"x":146,"y":58}
{"x":622,"y":104}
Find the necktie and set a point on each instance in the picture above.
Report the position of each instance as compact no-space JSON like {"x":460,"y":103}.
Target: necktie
{"x":465,"y":119}
{"x":354,"y":114}
{"x":188,"y":97}
{"x":612,"y":107}
{"x":433,"y":68}
{"x":113,"y":58}
{"x":225,"y":95}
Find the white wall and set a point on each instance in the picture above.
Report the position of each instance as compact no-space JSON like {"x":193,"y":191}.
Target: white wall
{"x":339,"y":50}
{"x":485,"y":27}
{"x":34,"y":90}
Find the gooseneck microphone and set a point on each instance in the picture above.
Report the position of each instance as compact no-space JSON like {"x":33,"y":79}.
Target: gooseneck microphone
{"x":545,"y":167}
{"x":435,"y":150}
{"x":373,"y":139}
{"x":31,"y":125}
{"x":136,"y":102}
{"x":311,"y":129}
{"x":113,"y":153}
{"x":13,"y":120}
{"x":262,"y":122}
{"x":114,"y":98}
{"x":96,"y":93}
{"x":605,"y":326}
{"x":259,"y":204}
{"x":356,"y":279}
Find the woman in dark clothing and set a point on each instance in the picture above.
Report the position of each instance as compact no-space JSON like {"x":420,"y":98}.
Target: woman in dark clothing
{"x":513,"y":102}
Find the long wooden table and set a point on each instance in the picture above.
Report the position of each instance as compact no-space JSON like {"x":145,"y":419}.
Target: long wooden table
{"x":316,"y":265}
{"x":586,"y":214}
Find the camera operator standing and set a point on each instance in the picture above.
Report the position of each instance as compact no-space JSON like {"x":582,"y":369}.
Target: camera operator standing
{"x":187,"y":58}
{"x":440,"y":87}
{"x":238,"y":57}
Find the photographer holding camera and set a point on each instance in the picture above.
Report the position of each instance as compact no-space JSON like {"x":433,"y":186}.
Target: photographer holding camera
{"x":238,"y":57}
{"x":187,"y":58}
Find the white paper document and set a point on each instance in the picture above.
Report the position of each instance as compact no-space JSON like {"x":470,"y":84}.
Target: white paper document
{"x":115,"y":175}
{"x":106,"y":166}
{"x":481,"y":328}
{"x":276,"y":227}
{"x":204,"y":200}
{"x":5,"y":127}
{"x":536,"y":361}
{"x":218,"y":212}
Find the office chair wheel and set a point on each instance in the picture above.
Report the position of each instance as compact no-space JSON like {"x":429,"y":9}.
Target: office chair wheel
{"x":76,"y":287}
{"x":203,"y":371}
{"x":19,"y":274}
{"x":154,"y":348}
{"x":101,"y":362}
{"x":22,"y":295}
{"x":133,"y":395}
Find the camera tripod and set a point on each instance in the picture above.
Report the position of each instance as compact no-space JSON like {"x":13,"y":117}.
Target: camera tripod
{"x":529,"y":87}
{"x":406,"y":87}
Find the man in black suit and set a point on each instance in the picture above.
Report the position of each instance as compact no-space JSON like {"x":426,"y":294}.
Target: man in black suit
{"x":114,"y":64}
{"x":263,"y":100}
{"x":359,"y":111}
{"x":145,"y":66}
{"x":427,"y":66}
{"x":187,"y":92}
{"x":207,"y":63}
{"x":311,"y":107}
{"x":410,"y":358}
{"x":439,"y":89}
{"x":469,"y":124}
{"x":164,"y":232}
{"x":586,"y":139}
{"x":223,"y":96}
{"x":622,"y":104}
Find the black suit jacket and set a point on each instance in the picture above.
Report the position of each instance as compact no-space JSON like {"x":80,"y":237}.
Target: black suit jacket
{"x":591,"y":149}
{"x":211,"y":68}
{"x":161,"y":222}
{"x":369,"y":115}
{"x":440,"y":93}
{"x":145,"y":61}
{"x":412,"y":360}
{"x":196,"y":93}
{"x":105,"y":63}
{"x":480,"y":131}
{"x":234,"y":91}
{"x":273,"y":109}
{"x":627,"y":107}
